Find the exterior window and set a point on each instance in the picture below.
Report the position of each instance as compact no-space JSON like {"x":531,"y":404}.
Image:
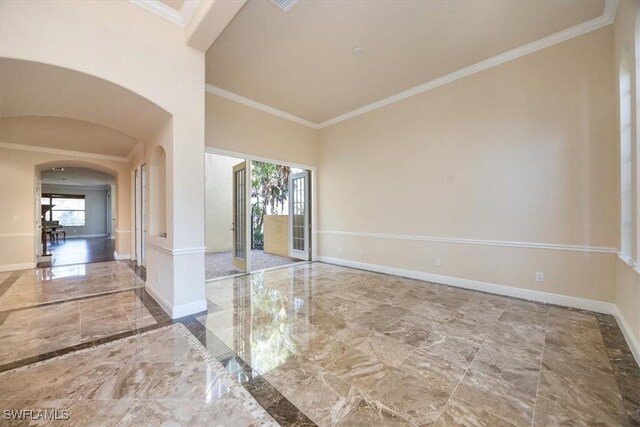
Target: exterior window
{"x":69,"y":210}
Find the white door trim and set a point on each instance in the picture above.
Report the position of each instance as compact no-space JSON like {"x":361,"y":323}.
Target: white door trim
{"x":314,"y":184}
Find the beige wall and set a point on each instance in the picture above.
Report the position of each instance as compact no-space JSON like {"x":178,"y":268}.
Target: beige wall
{"x":18,"y":172}
{"x":219,"y":202}
{"x":628,"y":279}
{"x":237,"y":128}
{"x":522,"y":152}
{"x":276,"y":235}
{"x":97,"y":38}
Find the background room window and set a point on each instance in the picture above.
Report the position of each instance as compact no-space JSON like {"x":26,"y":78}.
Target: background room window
{"x":625,"y":157}
{"x":68,"y":209}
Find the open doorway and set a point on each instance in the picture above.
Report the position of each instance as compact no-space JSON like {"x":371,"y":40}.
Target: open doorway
{"x":77,"y":213}
{"x":257,"y":215}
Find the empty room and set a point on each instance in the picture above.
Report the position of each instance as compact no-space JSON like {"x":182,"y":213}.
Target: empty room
{"x":320,"y":212}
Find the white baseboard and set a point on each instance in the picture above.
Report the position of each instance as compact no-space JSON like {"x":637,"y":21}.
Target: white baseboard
{"x":85,"y":236}
{"x":545,"y":297}
{"x":119,"y":257}
{"x":16,"y":267}
{"x":179,"y":310}
{"x":633,"y":343}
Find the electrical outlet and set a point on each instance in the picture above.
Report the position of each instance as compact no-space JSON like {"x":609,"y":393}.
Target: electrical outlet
{"x":437,"y":261}
{"x":539,"y":276}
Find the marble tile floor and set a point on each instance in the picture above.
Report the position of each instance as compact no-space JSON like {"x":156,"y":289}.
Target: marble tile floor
{"x":316,"y":344}
{"x":220,"y":264}
{"x":30,"y":332}
{"x":47,"y":285}
{"x":81,"y":324}
{"x":350,"y":347}
{"x":161,"y":377}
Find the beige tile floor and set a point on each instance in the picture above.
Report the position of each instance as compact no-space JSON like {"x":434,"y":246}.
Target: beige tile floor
{"x":350,"y":347}
{"x":39,"y":330}
{"x":46,"y":285}
{"x":346,"y":347}
{"x":163,"y":377}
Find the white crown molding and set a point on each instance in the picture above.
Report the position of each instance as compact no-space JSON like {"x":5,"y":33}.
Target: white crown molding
{"x":258,"y":106}
{"x":180,"y":18}
{"x":14,"y":235}
{"x":492,"y":288}
{"x":527,"y":245}
{"x":603,"y":20}
{"x":188,"y":9}
{"x":160,"y":9}
{"x":47,"y":150}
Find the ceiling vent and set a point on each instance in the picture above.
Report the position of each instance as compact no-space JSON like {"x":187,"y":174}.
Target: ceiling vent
{"x":284,"y":4}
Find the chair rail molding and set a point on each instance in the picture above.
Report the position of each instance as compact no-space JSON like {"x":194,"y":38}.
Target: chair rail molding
{"x":504,"y":243}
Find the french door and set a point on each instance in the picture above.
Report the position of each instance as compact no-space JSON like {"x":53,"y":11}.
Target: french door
{"x":299,"y":215}
{"x":239,"y":191}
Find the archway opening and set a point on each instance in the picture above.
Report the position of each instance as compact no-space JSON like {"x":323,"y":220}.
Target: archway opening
{"x":77,"y":212}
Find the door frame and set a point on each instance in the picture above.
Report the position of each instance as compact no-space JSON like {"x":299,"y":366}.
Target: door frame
{"x":302,"y":255}
{"x":314,"y":191}
{"x":137,"y":238}
{"x":244,"y":264}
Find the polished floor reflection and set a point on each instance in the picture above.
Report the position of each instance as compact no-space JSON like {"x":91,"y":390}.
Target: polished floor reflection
{"x":311,"y":344}
{"x":47,"y":285}
{"x":349,"y":347}
{"x":161,"y":377}
{"x":39,"y":330}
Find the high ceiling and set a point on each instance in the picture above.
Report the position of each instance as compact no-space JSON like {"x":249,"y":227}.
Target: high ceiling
{"x":301,"y":61}
{"x":54,"y":107}
{"x":73,"y":176}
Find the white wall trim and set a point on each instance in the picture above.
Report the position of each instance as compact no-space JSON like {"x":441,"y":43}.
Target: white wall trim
{"x":259,"y":106}
{"x":633,"y":343}
{"x":84,"y":236}
{"x":37,"y":149}
{"x":528,"y":245}
{"x":12,"y":235}
{"x":603,"y":20}
{"x":175,"y":252}
{"x":16,"y":267}
{"x":179,"y":310}
{"x":117,"y":230}
{"x":161,"y":9}
{"x":120,"y":257}
{"x":594,"y":24}
{"x":544,"y":297}
{"x":187,"y":10}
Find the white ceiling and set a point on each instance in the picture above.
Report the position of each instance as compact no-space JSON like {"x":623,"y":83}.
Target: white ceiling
{"x":301,"y":61}
{"x":54,"y":107}
{"x":73,"y":176}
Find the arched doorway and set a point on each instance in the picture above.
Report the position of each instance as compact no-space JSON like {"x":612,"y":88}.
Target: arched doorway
{"x":77,"y":213}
